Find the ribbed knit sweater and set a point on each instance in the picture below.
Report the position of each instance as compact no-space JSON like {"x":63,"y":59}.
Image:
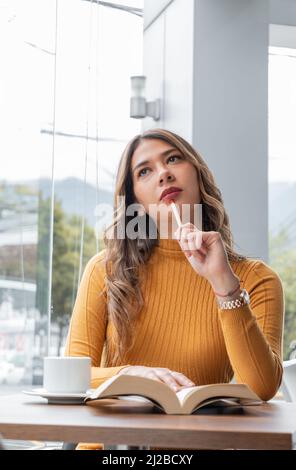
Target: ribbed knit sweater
{"x":180,"y":326}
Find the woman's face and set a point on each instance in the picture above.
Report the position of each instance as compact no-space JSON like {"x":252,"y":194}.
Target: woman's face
{"x":156,"y":166}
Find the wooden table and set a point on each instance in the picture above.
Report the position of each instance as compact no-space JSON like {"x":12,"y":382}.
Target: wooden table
{"x":113,"y":422}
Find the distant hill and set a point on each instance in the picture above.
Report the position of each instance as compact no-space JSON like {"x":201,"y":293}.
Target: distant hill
{"x":281,"y":209}
{"x":71,"y":193}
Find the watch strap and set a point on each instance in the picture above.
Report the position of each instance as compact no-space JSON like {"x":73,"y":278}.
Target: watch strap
{"x":241,"y":300}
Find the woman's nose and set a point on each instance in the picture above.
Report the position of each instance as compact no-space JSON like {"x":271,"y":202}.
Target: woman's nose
{"x":165,"y":176}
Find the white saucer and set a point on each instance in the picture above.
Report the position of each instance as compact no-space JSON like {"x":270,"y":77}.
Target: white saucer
{"x":57,"y":398}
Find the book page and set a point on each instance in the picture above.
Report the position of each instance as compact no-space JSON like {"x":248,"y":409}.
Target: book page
{"x":127,"y":385}
{"x":191,"y":397}
{"x":134,"y":398}
{"x":182,"y":394}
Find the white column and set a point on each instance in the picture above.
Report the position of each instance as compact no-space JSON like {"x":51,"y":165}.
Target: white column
{"x":208,"y":62}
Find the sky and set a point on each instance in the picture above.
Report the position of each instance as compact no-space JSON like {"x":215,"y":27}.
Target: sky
{"x":98,"y":50}
{"x":282,"y":114}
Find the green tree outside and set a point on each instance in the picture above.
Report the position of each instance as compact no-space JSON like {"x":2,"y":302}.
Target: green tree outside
{"x":65,"y":263}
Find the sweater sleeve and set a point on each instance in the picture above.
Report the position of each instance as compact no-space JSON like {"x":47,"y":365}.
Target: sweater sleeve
{"x":253,"y":333}
{"x":87,"y":331}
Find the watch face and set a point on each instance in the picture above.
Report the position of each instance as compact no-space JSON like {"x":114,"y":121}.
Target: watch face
{"x":245,"y":296}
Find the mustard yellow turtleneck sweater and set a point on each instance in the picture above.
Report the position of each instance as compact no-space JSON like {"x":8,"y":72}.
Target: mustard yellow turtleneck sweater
{"x":180,"y":326}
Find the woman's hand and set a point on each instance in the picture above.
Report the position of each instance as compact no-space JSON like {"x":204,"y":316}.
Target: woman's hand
{"x":173,"y":379}
{"x":207,"y":255}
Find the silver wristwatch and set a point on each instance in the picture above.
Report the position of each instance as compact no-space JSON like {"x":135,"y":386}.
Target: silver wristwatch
{"x":240,"y":301}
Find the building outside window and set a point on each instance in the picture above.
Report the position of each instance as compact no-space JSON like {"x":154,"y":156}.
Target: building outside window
{"x":64,"y":114}
{"x":282,"y":181}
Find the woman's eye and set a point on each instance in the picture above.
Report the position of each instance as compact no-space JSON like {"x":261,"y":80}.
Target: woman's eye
{"x":174,"y":157}
{"x":140,"y":172}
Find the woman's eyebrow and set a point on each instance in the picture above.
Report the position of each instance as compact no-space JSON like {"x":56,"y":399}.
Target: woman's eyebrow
{"x":144,"y":162}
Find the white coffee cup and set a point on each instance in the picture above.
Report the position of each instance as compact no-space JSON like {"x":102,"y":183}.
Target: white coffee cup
{"x":67,"y":374}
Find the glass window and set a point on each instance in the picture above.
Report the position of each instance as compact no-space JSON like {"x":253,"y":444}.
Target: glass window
{"x":282,"y":181}
{"x":64,"y":114}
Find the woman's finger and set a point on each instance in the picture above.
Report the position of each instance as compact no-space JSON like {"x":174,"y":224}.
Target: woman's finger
{"x":152,"y":375}
{"x":184,"y":242}
{"x":191,"y":241}
{"x":197,"y":256}
{"x":168,"y":379}
{"x":182,"y":379}
{"x":189,"y":226}
{"x":183,"y":229}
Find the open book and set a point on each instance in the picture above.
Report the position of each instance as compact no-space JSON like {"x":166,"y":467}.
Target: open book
{"x":185,"y":401}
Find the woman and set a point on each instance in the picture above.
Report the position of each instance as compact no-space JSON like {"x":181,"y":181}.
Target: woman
{"x":185,"y":309}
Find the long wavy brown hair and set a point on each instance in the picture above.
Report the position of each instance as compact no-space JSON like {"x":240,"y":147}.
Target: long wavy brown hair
{"x":124,"y":256}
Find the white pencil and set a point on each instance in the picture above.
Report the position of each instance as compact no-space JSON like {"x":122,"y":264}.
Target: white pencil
{"x":176,"y":213}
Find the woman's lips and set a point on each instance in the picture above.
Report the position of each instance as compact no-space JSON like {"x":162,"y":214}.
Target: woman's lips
{"x":171,"y":195}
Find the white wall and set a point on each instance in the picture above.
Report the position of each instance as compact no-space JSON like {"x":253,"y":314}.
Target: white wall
{"x":282,"y":35}
{"x":207,"y":61}
{"x":282,"y":18}
{"x":168,"y":65}
{"x":154,"y":8}
{"x":282,"y":12}
{"x":230,"y":111}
